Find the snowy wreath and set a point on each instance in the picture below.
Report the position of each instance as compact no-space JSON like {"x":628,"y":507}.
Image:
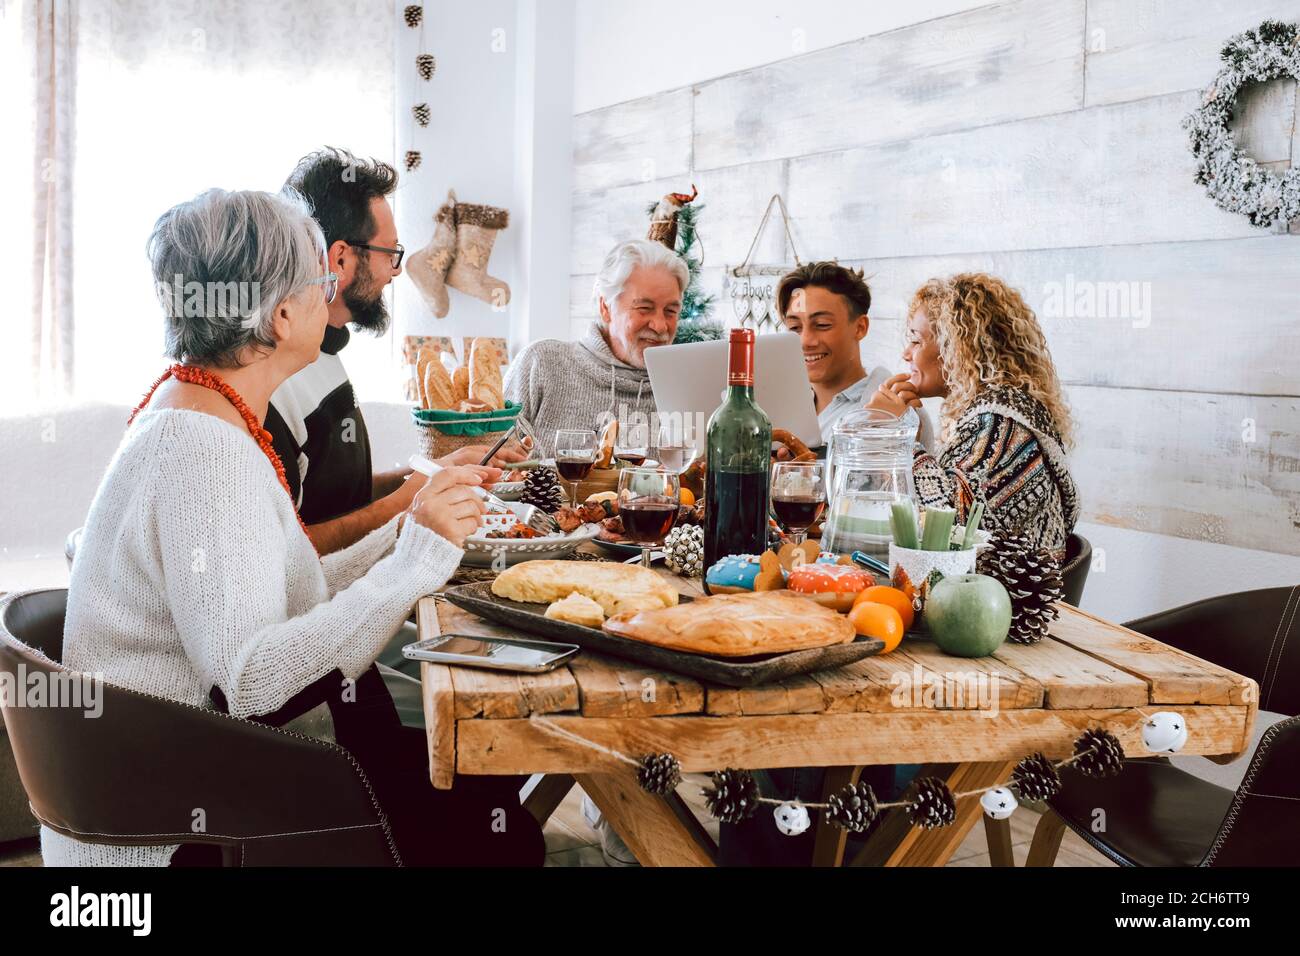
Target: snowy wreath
{"x":1232,"y":179}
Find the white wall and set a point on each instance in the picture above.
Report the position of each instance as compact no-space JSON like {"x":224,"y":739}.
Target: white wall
{"x":625,"y":49}
{"x":1036,"y":139}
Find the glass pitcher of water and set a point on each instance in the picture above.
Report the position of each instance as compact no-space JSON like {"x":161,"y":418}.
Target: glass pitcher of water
{"x":870,"y":467}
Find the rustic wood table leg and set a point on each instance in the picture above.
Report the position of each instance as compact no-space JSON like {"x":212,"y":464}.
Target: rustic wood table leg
{"x":439,"y":723}
{"x":661,"y":831}
{"x":1047,"y":840}
{"x":545,"y":794}
{"x":998,"y":834}
{"x":828,"y":845}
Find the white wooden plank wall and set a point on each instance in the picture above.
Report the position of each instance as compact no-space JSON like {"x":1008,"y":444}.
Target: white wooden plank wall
{"x":1039,"y":140}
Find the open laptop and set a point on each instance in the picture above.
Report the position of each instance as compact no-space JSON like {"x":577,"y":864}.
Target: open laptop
{"x":691,"y":380}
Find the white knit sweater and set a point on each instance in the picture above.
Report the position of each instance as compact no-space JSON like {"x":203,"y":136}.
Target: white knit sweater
{"x":193,"y":571}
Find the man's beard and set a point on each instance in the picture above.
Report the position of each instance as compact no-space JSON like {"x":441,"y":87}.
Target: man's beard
{"x":367,"y":307}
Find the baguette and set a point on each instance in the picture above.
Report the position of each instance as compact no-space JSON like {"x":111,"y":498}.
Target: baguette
{"x":485,"y":374}
{"x":423,"y":356}
{"x":438,"y":391}
{"x":460,"y":382}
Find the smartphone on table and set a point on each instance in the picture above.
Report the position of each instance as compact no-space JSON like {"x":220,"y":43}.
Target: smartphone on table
{"x":494,"y":653}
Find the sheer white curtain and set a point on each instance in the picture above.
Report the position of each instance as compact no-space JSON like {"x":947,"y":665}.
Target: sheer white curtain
{"x":151,"y":102}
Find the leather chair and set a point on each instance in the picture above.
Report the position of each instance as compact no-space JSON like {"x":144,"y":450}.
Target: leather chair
{"x":1156,"y":814}
{"x":1074,"y":572}
{"x":135,"y":775}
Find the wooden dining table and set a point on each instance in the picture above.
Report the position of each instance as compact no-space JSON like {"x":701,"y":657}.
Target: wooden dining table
{"x":968,"y":720}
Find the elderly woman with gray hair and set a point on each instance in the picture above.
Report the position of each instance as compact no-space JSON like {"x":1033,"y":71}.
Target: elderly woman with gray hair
{"x":638,"y":294}
{"x":195,"y":580}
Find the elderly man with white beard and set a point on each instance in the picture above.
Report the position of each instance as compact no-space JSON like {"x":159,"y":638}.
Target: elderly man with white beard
{"x":582,"y":384}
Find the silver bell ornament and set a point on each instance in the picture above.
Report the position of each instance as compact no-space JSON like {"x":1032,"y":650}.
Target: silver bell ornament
{"x":999,"y":803}
{"x":792,"y":818}
{"x":1165,"y":732}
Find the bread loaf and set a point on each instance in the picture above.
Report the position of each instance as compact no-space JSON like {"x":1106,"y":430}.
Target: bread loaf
{"x":438,"y":391}
{"x":460,"y":382}
{"x":485,"y":374}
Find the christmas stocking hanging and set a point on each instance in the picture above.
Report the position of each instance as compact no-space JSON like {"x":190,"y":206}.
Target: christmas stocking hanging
{"x":428,"y":267}
{"x":476,"y":228}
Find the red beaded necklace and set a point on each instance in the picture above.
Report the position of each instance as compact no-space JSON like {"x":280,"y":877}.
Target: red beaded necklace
{"x":200,"y":376}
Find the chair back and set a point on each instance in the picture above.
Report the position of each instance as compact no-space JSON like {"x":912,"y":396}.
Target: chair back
{"x":1262,"y":826}
{"x":1074,"y":572}
{"x":105,"y":764}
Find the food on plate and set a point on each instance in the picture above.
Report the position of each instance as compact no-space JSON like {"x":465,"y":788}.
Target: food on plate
{"x":737,"y":625}
{"x":485,"y":374}
{"x":570,"y":519}
{"x":883,"y":594}
{"x":515,"y":531}
{"x":833,"y":585}
{"x":610,"y":496}
{"x":615,"y":587}
{"x":880,"y":621}
{"x":745,"y":572}
{"x":576,"y":609}
{"x":686,"y":497}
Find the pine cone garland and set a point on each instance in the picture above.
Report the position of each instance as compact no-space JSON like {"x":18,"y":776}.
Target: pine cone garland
{"x":412,"y":159}
{"x":542,"y":488}
{"x":854,"y":808}
{"x":413,"y":14}
{"x":421,"y":113}
{"x":684,"y":551}
{"x":1103,"y":754}
{"x":1033,"y":581}
{"x":425,"y":64}
{"x":1036,"y":778}
{"x":659,"y":774}
{"x":733,"y":796}
{"x":930,"y":803}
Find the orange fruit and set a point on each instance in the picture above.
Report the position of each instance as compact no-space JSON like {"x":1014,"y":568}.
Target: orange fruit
{"x":686,"y":497}
{"x":878,"y":620}
{"x":883,"y":594}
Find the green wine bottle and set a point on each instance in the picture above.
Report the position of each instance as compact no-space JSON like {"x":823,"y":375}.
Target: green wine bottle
{"x":738,"y":466}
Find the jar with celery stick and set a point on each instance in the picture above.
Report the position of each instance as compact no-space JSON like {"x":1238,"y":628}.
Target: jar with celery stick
{"x":869,"y":468}
{"x":928,"y":546}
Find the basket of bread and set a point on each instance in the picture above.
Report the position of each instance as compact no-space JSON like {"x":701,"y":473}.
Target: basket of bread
{"x":464,"y":405}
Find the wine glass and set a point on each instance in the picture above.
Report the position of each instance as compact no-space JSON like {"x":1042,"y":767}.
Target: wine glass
{"x":676,"y":449}
{"x":798,"y":495}
{"x":575,"y":453}
{"x":633,"y":444}
{"x":647,"y":503}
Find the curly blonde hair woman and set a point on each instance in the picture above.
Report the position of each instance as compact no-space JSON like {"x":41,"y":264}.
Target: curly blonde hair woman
{"x":1005,"y":427}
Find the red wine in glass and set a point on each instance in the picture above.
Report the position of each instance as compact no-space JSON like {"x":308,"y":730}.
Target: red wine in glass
{"x":633,"y":458}
{"x":574,"y":469}
{"x":647,"y":521}
{"x":798,"y":512}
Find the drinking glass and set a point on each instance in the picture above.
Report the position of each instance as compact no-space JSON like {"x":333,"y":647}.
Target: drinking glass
{"x":675,"y":448}
{"x":575,"y":453}
{"x":647,"y":502}
{"x":798,"y":495}
{"x":633,"y":444}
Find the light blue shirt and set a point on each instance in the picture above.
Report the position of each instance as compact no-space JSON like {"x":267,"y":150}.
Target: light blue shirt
{"x":855,"y":397}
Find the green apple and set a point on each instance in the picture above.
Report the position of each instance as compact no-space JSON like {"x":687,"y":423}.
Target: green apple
{"x":968,"y":614}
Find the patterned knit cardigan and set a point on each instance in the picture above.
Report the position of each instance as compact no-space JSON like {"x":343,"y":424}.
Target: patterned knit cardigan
{"x":1006,"y":452}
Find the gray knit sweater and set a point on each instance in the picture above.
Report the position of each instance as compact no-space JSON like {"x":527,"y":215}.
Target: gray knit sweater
{"x":577,"y":385}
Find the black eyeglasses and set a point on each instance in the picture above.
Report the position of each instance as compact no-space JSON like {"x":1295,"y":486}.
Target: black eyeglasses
{"x":395,"y":253}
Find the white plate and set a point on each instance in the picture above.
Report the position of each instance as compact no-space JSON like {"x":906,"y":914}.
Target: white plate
{"x":508,"y":490}
{"x":480,"y":550}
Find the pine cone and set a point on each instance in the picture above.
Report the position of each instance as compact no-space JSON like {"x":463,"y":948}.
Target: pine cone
{"x":1106,"y":756}
{"x":659,"y":774}
{"x":413,"y":14}
{"x":930,"y":803}
{"x":733,"y":797}
{"x":684,"y":551}
{"x":542,"y":488}
{"x":854,"y":808}
{"x":1036,"y":778}
{"x":412,"y":159}
{"x":421,"y":113}
{"x":1033,"y":581}
{"x":425,"y":64}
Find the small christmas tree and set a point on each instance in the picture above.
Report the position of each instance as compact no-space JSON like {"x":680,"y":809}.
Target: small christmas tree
{"x":693,"y":324}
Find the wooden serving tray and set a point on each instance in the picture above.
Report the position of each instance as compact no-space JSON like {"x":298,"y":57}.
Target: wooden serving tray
{"x":731,"y":671}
